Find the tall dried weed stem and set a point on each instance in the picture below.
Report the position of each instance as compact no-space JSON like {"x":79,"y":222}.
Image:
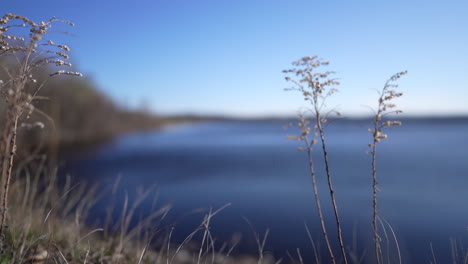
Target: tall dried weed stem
{"x":29,"y":54}
{"x":316,"y":87}
{"x":385,"y":108}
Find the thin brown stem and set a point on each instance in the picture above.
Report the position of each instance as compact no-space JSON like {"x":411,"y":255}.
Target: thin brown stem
{"x":317,"y":201}
{"x":11,"y":157}
{"x":330,"y":185}
{"x":375,"y":189}
{"x":374,"y":205}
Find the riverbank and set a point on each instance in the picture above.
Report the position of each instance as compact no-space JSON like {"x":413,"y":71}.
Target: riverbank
{"x":48,"y":226}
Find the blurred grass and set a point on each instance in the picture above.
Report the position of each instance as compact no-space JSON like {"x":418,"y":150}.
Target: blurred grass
{"x":48,"y":225}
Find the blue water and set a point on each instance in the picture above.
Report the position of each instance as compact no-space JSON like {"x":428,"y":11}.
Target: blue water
{"x":422,"y":172}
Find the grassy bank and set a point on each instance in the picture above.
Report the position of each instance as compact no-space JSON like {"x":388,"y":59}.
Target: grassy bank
{"x":47,"y":225}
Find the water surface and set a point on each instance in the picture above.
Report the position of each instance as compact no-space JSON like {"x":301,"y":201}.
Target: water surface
{"x":422,"y":171}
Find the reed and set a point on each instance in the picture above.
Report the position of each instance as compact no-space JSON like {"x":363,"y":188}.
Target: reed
{"x":380,"y":123}
{"x":31,"y":53}
{"x":316,"y":87}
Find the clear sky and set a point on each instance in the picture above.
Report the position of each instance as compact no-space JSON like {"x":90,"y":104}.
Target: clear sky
{"x":226,"y":56}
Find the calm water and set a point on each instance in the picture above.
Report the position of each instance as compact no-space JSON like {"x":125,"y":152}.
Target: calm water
{"x":422,"y":167}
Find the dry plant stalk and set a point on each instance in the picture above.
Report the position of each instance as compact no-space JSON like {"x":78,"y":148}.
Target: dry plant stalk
{"x":385,"y":108}
{"x":316,"y":87}
{"x":30,"y":54}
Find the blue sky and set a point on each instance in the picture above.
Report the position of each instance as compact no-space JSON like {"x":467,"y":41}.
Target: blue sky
{"x":226,"y":56}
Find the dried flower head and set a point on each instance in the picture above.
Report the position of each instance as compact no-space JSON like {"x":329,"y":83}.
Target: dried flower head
{"x":63,"y":72}
{"x":385,"y":108}
{"x":24,"y":40}
{"x":314,"y":85}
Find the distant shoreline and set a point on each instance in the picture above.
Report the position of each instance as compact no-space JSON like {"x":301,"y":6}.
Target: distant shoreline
{"x":197,"y":118}
{"x":168,"y":122}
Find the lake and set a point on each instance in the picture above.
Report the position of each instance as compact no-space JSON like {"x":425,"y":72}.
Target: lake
{"x":422,"y":172}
